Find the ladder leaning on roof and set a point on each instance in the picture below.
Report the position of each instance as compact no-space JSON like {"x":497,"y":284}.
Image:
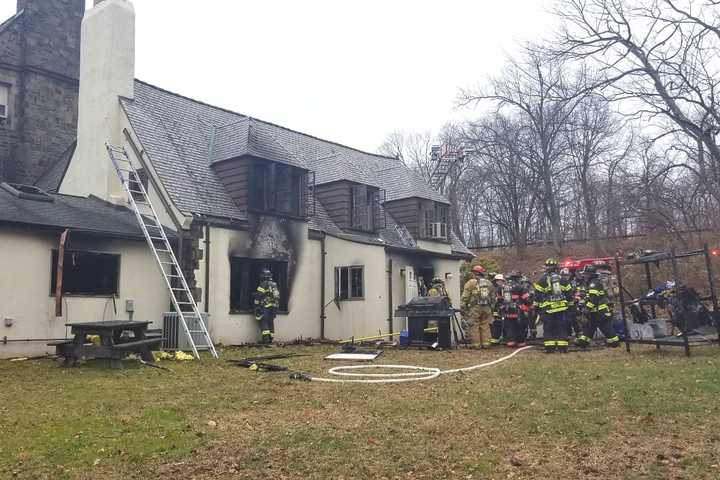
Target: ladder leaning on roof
{"x":182,"y":298}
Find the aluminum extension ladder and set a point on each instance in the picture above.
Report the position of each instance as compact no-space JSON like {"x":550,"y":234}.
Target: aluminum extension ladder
{"x":182,"y":298}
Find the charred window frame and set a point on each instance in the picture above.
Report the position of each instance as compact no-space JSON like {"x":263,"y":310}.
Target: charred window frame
{"x":86,"y":273}
{"x":350,"y":283}
{"x":366,"y":211}
{"x":280,"y":189}
{"x":245,"y":277}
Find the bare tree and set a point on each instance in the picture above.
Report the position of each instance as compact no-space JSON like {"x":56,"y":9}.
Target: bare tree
{"x":540,"y":94}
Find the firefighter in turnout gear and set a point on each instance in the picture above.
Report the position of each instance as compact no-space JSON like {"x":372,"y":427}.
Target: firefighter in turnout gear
{"x":553,"y":295}
{"x":496,"y":327}
{"x":515,"y":309}
{"x":477,"y":301}
{"x":267,"y":301}
{"x":596,"y":308}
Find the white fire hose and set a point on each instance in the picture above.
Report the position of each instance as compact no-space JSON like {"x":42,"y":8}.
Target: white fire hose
{"x":419,"y":373}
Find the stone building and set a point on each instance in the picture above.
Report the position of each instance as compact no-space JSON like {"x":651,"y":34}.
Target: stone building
{"x":39,"y":72}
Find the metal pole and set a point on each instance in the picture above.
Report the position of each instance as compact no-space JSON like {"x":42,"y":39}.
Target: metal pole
{"x":390,"y":295}
{"x":618,"y":268}
{"x":713,"y":292}
{"x":648,"y":279}
{"x":323,"y":316}
{"x":676,"y":278}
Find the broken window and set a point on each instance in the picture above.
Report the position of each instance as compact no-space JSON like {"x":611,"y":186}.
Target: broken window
{"x":278,"y":188}
{"x":4,"y":101}
{"x":87,"y":273}
{"x":245,"y":277}
{"x":349,"y":283}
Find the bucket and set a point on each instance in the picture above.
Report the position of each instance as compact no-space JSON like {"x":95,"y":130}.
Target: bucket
{"x":404,"y":338}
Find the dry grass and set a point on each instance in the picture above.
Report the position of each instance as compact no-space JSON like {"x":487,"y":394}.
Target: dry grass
{"x":602,"y":414}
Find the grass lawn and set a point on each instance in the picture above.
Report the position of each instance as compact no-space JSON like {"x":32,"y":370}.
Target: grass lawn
{"x":601,"y":414}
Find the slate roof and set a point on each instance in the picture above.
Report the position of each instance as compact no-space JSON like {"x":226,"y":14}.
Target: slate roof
{"x":52,"y":177}
{"x":184,"y":137}
{"x":6,"y":23}
{"x":250,"y":137}
{"x":82,"y":214}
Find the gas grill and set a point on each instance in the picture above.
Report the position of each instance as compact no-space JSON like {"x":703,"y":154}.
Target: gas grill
{"x":422,"y":312}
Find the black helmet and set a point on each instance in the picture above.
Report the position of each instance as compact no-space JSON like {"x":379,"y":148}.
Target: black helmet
{"x":515,"y":275}
{"x":436,"y":281}
{"x":266,"y":274}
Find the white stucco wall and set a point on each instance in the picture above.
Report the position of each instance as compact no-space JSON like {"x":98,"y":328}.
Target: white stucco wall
{"x":25,"y":288}
{"x":303,"y":317}
{"x":356,"y":317}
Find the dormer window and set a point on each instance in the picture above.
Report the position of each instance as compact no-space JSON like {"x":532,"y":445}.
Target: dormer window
{"x":365,"y":212}
{"x":4,"y":102}
{"x":277,"y":188}
{"x":434,"y":221}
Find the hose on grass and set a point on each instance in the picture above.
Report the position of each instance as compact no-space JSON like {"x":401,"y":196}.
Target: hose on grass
{"x":416,"y":375}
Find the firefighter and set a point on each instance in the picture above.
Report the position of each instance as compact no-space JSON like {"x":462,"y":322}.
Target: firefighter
{"x":478,"y":299}
{"x":515,"y":309}
{"x":598,"y":314}
{"x":267,"y":301}
{"x":552,"y":298}
{"x":497,"y":325}
{"x":437,"y":288}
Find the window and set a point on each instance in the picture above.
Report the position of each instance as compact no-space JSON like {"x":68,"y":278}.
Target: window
{"x":278,"y":188}
{"x":366,"y":213}
{"x":87,"y":273}
{"x":434,"y":221}
{"x":349,"y":283}
{"x":245,"y":277}
{"x":4,"y":101}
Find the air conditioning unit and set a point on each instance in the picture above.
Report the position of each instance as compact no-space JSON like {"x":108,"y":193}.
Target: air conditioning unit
{"x":174,"y":336}
{"x":438,"y":231}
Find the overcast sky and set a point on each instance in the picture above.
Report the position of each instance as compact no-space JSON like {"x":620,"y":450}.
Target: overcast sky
{"x":350,"y":71}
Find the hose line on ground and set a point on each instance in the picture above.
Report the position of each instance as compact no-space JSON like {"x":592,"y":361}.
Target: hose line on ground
{"x":418,"y":373}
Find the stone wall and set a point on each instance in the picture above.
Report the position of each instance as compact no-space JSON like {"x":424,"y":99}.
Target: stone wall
{"x":39,"y":59}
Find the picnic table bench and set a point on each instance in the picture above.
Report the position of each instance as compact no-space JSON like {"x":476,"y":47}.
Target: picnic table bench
{"x":115,"y":343}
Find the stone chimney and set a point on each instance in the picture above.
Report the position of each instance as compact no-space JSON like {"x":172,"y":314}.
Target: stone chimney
{"x":107,"y":72}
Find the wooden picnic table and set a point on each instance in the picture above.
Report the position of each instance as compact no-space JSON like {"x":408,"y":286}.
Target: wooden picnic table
{"x":115,"y":343}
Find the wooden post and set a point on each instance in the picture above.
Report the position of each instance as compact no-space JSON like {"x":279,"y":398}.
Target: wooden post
{"x":59,"y":273}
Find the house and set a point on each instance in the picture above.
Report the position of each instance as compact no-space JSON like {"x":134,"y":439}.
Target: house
{"x":103,"y":278}
{"x":39,"y":72}
{"x":349,"y":235}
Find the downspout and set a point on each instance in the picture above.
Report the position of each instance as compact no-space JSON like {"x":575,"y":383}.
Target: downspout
{"x":207,"y":269}
{"x":390,"y":295}
{"x":323,"y":317}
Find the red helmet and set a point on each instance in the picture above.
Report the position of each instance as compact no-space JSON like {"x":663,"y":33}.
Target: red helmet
{"x":478,"y":269}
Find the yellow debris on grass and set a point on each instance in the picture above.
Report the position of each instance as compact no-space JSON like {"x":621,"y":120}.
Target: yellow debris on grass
{"x":177,"y":356}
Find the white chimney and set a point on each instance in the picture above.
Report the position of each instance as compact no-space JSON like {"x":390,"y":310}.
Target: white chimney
{"x":107,"y":71}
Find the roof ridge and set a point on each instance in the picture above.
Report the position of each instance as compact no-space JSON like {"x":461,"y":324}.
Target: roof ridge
{"x":265,"y":121}
{"x":10,"y":20}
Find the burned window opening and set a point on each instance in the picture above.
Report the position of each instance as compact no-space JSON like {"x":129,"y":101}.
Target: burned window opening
{"x":245,"y":277}
{"x":350,"y":283}
{"x":87,"y":273}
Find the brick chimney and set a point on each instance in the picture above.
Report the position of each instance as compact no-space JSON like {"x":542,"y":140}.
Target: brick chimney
{"x":107,"y":72}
